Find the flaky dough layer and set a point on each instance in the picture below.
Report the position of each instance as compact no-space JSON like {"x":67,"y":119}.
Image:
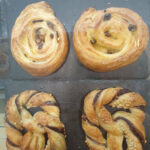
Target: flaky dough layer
{"x":33,"y":122}
{"x":106,"y":40}
{"x":38,"y":41}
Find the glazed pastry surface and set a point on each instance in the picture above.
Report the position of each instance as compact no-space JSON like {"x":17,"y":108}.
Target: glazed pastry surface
{"x":38,"y":41}
{"x":112,"y":119}
{"x":106,"y":40}
{"x":33,"y":122}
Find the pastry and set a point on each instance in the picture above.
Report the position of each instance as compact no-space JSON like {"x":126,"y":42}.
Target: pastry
{"x":113,"y":119}
{"x":38,"y":41}
{"x":33,"y":122}
{"x":106,"y":40}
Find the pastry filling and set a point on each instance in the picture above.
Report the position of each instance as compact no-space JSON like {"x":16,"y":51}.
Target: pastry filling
{"x":51,"y":25}
{"x":51,"y":35}
{"x":103,"y":131}
{"x":132,"y":27}
{"x":40,"y":33}
{"x":57,"y":36}
{"x":135,"y":131}
{"x":102,"y":144}
{"x":51,"y":103}
{"x":93,"y":41}
{"x":33,"y":110}
{"x":112,"y":110}
{"x":23,"y":131}
{"x":46,"y":139}
{"x":59,"y":130}
{"x":40,"y":37}
{"x":107,"y":34}
{"x":12,"y":126}
{"x":96,"y":97}
{"x":124,"y":144}
{"x":11,"y":143}
{"x":84,"y":117}
{"x":107,"y":17}
{"x":112,"y":34}
{"x":119,"y":93}
{"x":36,"y":21}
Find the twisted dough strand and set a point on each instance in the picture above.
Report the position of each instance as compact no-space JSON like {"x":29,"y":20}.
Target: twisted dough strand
{"x":112,"y":119}
{"x":33,"y":122}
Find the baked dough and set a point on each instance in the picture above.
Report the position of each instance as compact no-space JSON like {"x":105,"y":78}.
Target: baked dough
{"x":106,"y":40}
{"x":38,"y":41}
{"x":33,"y":122}
{"x":113,"y":119}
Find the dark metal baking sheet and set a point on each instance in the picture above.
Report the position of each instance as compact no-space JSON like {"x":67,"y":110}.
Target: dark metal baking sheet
{"x":70,"y":94}
{"x":68,"y":11}
{"x":70,"y":97}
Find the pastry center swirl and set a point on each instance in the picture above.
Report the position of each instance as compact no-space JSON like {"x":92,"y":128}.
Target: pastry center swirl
{"x":41,"y":39}
{"x":112,"y":34}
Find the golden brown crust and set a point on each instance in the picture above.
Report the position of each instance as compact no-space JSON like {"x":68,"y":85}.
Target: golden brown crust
{"x":38,"y":41}
{"x":106,"y":40}
{"x":33,"y":122}
{"x":113,"y":118}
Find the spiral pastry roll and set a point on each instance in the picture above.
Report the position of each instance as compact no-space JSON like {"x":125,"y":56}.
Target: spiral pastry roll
{"x":33,"y":122}
{"x":112,"y":119}
{"x":106,"y":40}
{"x":38,"y":41}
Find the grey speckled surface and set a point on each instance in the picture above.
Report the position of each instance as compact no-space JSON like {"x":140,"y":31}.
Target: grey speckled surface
{"x":70,"y":98}
{"x":68,"y":12}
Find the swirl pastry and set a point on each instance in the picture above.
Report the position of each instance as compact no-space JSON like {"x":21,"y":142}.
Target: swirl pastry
{"x":113,"y":119}
{"x":106,"y":40}
{"x":39,"y":42}
{"x":33,"y":122}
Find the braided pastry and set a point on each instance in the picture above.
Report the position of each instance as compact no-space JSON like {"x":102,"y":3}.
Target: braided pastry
{"x":33,"y":122}
{"x":112,"y":119}
{"x":106,"y":40}
{"x":39,"y":42}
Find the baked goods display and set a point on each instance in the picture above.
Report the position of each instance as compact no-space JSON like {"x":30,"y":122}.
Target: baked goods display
{"x":109,"y":39}
{"x":104,"y":40}
{"x":38,"y":41}
{"x":113,"y":118}
{"x":33,"y":122}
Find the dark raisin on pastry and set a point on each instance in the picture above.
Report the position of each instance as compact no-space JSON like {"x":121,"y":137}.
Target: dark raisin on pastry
{"x":107,"y":17}
{"x":106,"y":40}
{"x":39,"y":43}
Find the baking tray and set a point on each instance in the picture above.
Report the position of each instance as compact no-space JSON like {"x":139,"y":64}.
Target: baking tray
{"x":68,"y":11}
{"x":72,"y":81}
{"x":70,"y":97}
